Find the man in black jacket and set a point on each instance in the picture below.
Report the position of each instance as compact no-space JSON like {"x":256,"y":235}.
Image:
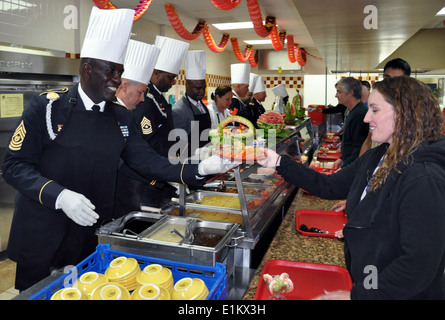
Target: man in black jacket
{"x":349,"y":92}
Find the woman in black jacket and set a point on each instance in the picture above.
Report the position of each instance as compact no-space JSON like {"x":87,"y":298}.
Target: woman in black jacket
{"x":395,"y":234}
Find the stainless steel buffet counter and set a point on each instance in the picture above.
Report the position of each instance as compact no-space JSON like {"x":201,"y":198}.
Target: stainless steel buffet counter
{"x":237,"y":213}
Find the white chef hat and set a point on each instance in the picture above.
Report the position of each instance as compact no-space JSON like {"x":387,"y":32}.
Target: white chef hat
{"x":252,"y":80}
{"x":107,"y":34}
{"x":240,"y":73}
{"x":259,"y":85}
{"x":195,"y":65}
{"x":280,"y":91}
{"x":172,"y":54}
{"x":140,"y":61}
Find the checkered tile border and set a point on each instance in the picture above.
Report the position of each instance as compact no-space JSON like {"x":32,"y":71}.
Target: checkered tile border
{"x":213,"y":80}
{"x":289,"y":82}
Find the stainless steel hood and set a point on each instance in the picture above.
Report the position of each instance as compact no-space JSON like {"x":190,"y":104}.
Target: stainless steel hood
{"x":274,"y":60}
{"x":12,"y":62}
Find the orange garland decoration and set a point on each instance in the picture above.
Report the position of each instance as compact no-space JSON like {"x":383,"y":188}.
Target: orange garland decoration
{"x":257,"y":19}
{"x":253,"y":59}
{"x":179,"y":27}
{"x":211,"y":43}
{"x":140,"y":9}
{"x":200,"y":28}
{"x":278,"y":39}
{"x":226,"y":4}
{"x":294,"y":52}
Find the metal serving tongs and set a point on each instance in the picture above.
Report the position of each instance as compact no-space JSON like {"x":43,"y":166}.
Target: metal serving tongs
{"x":188,"y":237}
{"x":218,"y":184}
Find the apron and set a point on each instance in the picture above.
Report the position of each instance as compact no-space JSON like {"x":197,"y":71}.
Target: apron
{"x":83,"y":158}
{"x":204,"y":123}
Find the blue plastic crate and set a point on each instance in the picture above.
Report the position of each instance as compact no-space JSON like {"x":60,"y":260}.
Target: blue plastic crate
{"x":215,"y":278}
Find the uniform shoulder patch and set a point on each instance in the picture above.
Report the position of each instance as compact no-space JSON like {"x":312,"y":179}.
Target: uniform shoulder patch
{"x":118,"y":103}
{"x":53,"y":94}
{"x":18,"y":137}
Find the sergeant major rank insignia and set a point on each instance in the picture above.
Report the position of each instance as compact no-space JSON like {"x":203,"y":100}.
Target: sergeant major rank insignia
{"x":18,"y":137}
{"x":146,"y":126}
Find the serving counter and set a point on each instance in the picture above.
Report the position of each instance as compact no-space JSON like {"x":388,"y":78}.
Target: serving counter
{"x":244,"y":231}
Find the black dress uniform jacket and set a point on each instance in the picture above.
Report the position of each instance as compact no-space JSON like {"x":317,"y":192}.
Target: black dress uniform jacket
{"x":257,"y":110}
{"x":243,"y":110}
{"x":62,"y":145}
{"x":154,"y":120}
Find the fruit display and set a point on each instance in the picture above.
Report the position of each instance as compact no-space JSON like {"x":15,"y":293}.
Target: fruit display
{"x":238,"y":151}
{"x":297,"y":102}
{"x":272,"y":120}
{"x":232,"y":139}
{"x":228,"y":132}
{"x":290,"y":113}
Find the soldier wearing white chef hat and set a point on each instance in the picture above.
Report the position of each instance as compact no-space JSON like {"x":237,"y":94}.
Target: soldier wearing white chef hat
{"x":190,"y":113}
{"x":280,"y":95}
{"x":240,"y":80}
{"x":77,"y":137}
{"x":139,"y":64}
{"x":154,"y":116}
{"x":259,"y":96}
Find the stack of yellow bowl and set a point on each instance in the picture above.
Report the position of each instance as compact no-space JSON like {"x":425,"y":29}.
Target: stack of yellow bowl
{"x":110,"y":291}
{"x":156,"y":274}
{"x":90,"y":281}
{"x":150,"y":292}
{"x":123,"y":271}
{"x":190,"y":289}
{"x":69,"y":294}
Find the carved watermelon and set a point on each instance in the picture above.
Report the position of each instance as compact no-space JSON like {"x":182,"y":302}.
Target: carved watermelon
{"x":227,"y":134}
{"x":271,"y":120}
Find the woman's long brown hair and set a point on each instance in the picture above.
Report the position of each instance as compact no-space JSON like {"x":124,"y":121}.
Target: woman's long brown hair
{"x":418,"y":119}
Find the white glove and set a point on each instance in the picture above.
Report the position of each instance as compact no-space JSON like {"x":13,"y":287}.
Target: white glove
{"x":203,"y":153}
{"x":78,"y":208}
{"x":271,"y":160}
{"x":215,"y":164}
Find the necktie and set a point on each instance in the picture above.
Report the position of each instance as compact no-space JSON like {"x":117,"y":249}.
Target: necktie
{"x":95,"y":108}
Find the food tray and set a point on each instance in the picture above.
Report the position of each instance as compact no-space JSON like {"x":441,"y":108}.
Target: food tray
{"x":326,"y":170}
{"x":215,"y":278}
{"x":310,"y":280}
{"x":328,"y":155}
{"x":330,"y":221}
{"x":330,"y":146}
{"x":221,"y":149}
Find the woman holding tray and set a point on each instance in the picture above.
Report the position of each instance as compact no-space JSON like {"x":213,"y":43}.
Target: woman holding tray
{"x":395,"y":234}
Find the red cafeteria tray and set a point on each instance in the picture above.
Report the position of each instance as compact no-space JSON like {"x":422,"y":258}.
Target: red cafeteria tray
{"x":328,"y":155}
{"x":331,"y":146}
{"x":321,"y":219}
{"x":309,"y":279}
{"x":326,"y":170}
